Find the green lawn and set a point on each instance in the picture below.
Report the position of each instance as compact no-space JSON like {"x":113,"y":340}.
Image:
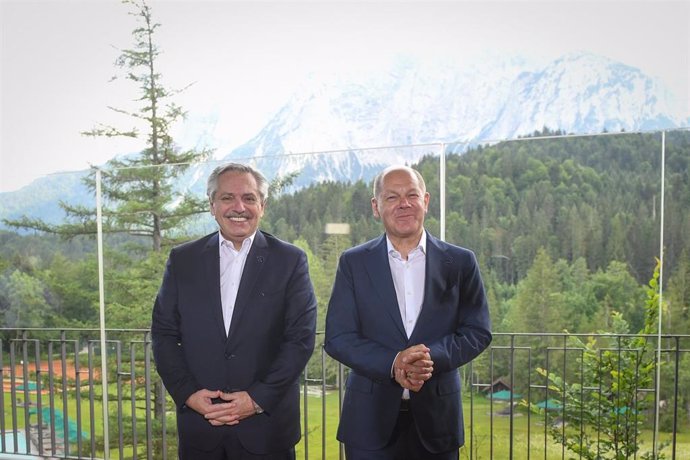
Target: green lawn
{"x":486,"y":428}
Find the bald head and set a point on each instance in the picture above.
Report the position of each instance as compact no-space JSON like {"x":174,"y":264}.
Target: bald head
{"x":378,"y":181}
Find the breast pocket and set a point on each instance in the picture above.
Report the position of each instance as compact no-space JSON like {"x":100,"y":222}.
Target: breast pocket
{"x":451,"y":294}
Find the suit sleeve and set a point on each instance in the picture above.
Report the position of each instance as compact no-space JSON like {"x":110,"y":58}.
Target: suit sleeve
{"x":344,"y":341}
{"x":165,"y":333}
{"x":472,"y":334}
{"x":297,"y":342}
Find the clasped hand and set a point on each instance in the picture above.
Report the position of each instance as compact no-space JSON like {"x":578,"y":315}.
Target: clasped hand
{"x":413,"y":366}
{"x":235,"y":406}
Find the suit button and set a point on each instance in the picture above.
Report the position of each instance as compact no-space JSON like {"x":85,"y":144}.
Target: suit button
{"x":229,"y":356}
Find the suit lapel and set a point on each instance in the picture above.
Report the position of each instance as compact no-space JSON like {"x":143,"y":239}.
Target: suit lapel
{"x":438,"y":265}
{"x":211,"y":262}
{"x":256,"y":260}
{"x":379,"y":271}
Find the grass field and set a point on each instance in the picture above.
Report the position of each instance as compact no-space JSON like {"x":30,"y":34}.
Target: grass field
{"x":490,"y":438}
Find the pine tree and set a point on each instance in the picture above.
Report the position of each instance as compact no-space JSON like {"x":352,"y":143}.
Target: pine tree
{"x":138,"y":190}
{"x":604,"y":406}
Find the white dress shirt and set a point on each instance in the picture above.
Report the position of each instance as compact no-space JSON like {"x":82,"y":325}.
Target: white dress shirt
{"x":408,"y":279}
{"x":231,"y":266}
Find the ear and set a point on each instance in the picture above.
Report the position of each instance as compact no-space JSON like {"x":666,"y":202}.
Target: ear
{"x":427,"y":197}
{"x":375,"y":208}
{"x":211,"y":209}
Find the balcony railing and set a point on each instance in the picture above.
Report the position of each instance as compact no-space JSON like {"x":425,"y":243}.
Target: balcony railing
{"x":530,"y":396}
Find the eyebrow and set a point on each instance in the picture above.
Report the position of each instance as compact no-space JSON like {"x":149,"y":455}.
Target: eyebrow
{"x":234,"y":194}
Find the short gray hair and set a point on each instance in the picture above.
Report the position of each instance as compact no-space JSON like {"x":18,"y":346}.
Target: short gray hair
{"x":378,"y":181}
{"x":212,"y":183}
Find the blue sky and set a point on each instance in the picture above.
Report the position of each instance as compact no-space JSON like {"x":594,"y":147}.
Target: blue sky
{"x":246,"y":58}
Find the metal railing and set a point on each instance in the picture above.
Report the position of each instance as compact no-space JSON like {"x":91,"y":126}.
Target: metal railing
{"x":520,"y":397}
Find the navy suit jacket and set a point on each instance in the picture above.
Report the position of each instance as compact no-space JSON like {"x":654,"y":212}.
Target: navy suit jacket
{"x":270,"y":341}
{"x":364,"y":331}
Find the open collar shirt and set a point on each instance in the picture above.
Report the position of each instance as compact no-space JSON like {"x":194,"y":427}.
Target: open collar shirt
{"x":232,"y":264}
{"x":408,"y":279}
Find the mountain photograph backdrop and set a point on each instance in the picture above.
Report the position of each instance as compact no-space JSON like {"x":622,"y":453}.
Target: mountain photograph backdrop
{"x":418,"y":108}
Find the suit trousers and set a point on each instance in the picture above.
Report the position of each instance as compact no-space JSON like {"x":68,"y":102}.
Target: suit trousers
{"x":230,"y":449}
{"x":404,"y":445}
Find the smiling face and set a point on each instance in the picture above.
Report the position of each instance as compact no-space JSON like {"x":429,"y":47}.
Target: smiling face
{"x":237,"y":206}
{"x":401,"y":204}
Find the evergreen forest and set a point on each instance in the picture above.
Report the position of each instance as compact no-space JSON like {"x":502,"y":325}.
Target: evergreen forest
{"x":566,"y":231}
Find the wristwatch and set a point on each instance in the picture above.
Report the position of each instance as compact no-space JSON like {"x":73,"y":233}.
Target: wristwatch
{"x":257,"y":409}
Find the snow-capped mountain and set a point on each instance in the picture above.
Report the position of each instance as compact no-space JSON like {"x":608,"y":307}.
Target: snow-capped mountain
{"x":332,"y":127}
{"x":583,"y":93}
{"x":335,"y":120}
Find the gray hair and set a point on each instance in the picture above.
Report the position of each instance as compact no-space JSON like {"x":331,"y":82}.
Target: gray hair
{"x":378,"y":181}
{"x":212,"y":183}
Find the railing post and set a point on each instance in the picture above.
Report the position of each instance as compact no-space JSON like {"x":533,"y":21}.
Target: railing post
{"x":149,"y":393}
{"x":676,"y":384}
{"x":661,"y":293}
{"x":101,"y":319}
{"x":323,"y":404}
{"x":305,"y":405}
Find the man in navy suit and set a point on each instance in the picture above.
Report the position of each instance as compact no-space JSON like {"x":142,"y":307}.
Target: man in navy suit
{"x":233,"y":327}
{"x":406,"y":311}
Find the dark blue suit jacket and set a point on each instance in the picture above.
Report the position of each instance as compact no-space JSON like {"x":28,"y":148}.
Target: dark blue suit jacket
{"x":270,"y":341}
{"x":364,"y":331}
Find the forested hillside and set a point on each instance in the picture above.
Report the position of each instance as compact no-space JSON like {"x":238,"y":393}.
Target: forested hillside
{"x":596,"y":198}
{"x":566,"y":231}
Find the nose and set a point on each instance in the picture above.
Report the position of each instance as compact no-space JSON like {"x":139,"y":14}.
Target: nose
{"x":237,"y":206}
{"x":404,"y":202}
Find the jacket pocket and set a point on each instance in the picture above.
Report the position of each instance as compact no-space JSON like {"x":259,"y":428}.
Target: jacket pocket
{"x":448,"y":386}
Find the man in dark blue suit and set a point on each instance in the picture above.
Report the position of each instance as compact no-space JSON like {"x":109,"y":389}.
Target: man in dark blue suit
{"x":406,"y":311}
{"x":233,"y":327}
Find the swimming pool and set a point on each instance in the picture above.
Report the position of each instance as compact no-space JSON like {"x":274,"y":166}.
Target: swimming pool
{"x":9,"y":452}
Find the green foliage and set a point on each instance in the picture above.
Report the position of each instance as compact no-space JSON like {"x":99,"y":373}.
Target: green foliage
{"x":305,"y":213}
{"x":132,"y":286}
{"x":23,"y":300}
{"x":678,"y":295}
{"x":322,"y":274}
{"x":538,"y":303}
{"x":604,"y":406}
{"x":74,"y":288}
{"x":589,"y":198}
{"x":616,"y":290}
{"x":47,"y":283}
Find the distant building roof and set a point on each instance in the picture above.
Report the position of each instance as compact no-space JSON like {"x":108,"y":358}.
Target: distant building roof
{"x":497,"y":385}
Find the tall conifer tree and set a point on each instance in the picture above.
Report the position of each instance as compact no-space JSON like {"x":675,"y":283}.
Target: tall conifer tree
{"x":139,"y":190}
